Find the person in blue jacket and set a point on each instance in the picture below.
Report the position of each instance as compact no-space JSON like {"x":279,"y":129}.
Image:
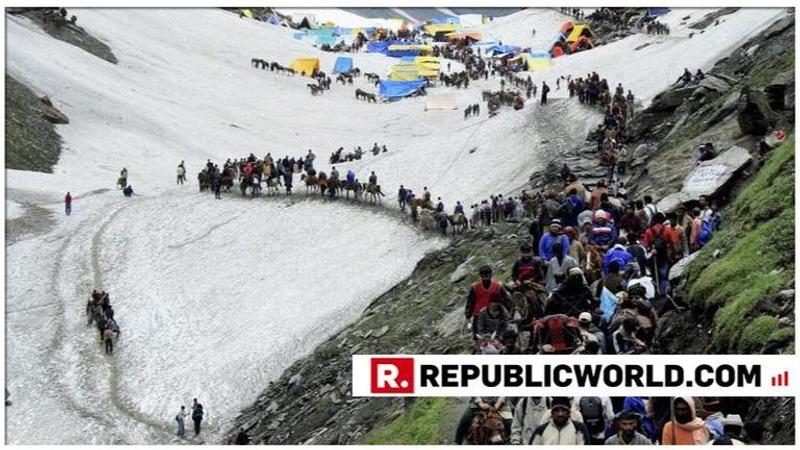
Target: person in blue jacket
{"x":351,"y":176}
{"x":617,"y":253}
{"x":604,"y":233}
{"x":546,"y":241}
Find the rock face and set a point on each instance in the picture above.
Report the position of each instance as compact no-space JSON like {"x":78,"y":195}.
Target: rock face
{"x":755,"y":115}
{"x":52,"y":114}
{"x":710,"y":176}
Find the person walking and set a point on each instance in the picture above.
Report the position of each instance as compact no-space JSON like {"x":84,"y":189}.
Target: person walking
{"x":68,"y":203}
{"x":181,"y":423}
{"x":108,"y":339}
{"x":197,"y":416}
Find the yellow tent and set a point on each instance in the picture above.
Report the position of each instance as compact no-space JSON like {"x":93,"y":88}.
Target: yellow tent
{"x":427,"y":66}
{"x":305,"y":66}
{"x":247,"y":13}
{"x":538,"y":64}
{"x":578,"y":31}
{"x":432,"y":29}
{"x":404,"y":72}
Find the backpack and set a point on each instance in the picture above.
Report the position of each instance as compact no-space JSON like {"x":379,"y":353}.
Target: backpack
{"x":706,"y":230}
{"x":592,"y":410}
{"x":660,"y":245}
{"x":567,"y":209}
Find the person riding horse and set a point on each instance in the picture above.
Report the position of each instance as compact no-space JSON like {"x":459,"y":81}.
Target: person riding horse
{"x":122,"y":181}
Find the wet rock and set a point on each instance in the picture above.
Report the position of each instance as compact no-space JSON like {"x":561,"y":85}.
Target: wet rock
{"x":671,"y":99}
{"x":382,"y":331}
{"x":679,"y":269}
{"x":710,"y":176}
{"x":755,"y":113}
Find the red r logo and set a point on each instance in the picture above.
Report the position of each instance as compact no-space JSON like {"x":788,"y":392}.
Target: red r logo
{"x":392,"y":375}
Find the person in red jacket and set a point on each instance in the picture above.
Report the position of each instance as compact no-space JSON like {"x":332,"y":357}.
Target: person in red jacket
{"x":68,"y":203}
{"x":659,"y":240}
{"x":481,"y":293}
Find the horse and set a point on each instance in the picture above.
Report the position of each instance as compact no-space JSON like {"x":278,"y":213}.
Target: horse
{"x":315,"y":90}
{"x":334,"y":185}
{"x":487,"y":428}
{"x":272,"y":185}
{"x":355,"y":187}
{"x":459,"y":222}
{"x":310,"y":182}
{"x":371,"y":98}
{"x":202,"y":179}
{"x":360,"y":94}
{"x":592,"y":265}
{"x":374,"y":192}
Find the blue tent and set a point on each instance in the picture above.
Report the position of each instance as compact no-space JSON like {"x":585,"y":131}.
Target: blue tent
{"x":274,"y":20}
{"x":397,"y":89}
{"x":502,"y":49}
{"x":445,"y":19}
{"x":343,"y":65}
{"x":299,"y":36}
{"x":540,"y":54}
{"x":655,"y":12}
{"x":377,"y":47}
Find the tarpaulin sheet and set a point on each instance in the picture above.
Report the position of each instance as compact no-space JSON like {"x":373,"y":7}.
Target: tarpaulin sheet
{"x":397,"y":89}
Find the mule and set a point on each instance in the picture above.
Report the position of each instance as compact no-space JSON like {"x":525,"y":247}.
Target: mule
{"x":487,"y":428}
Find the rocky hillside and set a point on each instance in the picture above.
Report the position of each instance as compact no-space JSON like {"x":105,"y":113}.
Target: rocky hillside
{"x":32,"y":142}
{"x":738,"y":291}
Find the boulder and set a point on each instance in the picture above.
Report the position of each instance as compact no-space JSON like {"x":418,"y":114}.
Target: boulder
{"x":708,"y":177}
{"x":678,"y":270}
{"x":755,"y":113}
{"x":672,"y":98}
{"x":463,"y":270}
{"x":50,"y":113}
{"x":671,"y":202}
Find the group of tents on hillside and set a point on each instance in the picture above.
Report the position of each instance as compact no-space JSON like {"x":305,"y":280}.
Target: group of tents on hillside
{"x":418,"y":58}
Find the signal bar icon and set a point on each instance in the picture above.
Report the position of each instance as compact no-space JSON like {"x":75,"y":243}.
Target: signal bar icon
{"x":782,"y":379}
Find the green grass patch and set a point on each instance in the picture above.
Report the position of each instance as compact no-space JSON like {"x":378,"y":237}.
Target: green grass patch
{"x":421,"y":424}
{"x":757,"y":245}
{"x":763,"y":74}
{"x":756,"y":334}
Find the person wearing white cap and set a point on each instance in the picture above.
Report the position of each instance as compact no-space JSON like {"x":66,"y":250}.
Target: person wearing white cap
{"x":593,"y":337}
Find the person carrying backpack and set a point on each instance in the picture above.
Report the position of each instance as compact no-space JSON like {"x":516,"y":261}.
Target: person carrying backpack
{"x":596,"y":412}
{"x":197,"y":416}
{"x":659,"y":240}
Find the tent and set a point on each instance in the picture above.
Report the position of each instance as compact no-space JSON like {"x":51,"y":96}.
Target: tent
{"x":473,"y":36}
{"x":566,"y":27}
{"x":432,"y":29}
{"x":583,"y":42}
{"x":579,"y":31}
{"x":397,"y":89}
{"x":428,"y":64}
{"x":503,"y":49}
{"x":441,"y":101}
{"x":343,"y":64}
{"x":247,"y":13}
{"x":299,"y":36}
{"x":445,"y":20}
{"x":305,"y":66}
{"x":404,"y":72}
{"x":377,"y":47}
{"x":273,"y":20}
{"x":408,"y":50}
{"x":655,"y":12}
{"x":539,"y":61}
